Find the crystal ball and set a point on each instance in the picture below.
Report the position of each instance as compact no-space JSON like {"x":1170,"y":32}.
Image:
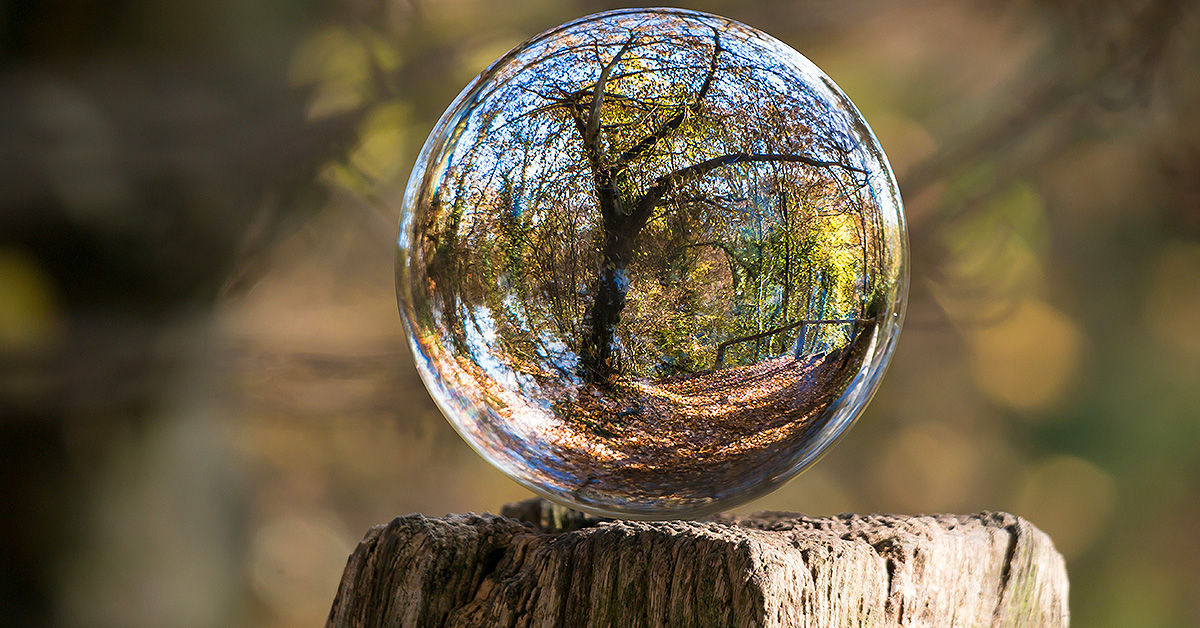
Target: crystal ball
{"x":652,"y":263}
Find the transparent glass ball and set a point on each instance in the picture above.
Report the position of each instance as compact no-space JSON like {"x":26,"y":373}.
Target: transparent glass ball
{"x":653,"y":263}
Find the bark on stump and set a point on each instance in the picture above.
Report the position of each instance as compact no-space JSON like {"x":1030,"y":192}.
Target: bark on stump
{"x":544,"y":566}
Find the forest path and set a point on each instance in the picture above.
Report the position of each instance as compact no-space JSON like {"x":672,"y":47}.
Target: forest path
{"x":681,"y":436}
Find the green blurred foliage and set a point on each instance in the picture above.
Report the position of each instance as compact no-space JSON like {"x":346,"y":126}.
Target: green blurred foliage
{"x":205,"y":396}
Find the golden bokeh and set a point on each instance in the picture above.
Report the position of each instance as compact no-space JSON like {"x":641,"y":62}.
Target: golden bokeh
{"x":1028,"y":360}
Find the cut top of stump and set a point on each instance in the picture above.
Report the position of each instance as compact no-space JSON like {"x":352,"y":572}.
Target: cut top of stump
{"x":543,"y":566}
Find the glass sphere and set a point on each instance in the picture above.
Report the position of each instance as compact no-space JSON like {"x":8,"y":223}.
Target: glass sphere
{"x":653,"y":263}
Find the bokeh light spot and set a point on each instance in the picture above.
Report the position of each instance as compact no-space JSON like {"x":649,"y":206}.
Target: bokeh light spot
{"x":337,"y":65}
{"x":930,"y":466}
{"x":1069,"y":498}
{"x":1028,"y":360}
{"x":298,"y":584}
{"x":29,"y":316}
{"x":1172,"y":308}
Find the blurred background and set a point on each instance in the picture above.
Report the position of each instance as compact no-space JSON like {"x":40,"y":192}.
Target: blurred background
{"x":206,"y":398}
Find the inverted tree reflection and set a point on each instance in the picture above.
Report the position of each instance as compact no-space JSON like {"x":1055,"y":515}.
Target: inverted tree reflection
{"x":619,"y":209}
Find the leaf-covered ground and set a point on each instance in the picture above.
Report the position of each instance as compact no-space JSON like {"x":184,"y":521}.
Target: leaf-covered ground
{"x":693,"y":438}
{"x":672,"y":442}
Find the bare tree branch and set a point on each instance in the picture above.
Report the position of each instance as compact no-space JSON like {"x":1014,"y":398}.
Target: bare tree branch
{"x":593,"y":125}
{"x":675,"y":121}
{"x":672,"y":180}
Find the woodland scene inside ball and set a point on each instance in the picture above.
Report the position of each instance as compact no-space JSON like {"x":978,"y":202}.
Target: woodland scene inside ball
{"x":652,"y":263}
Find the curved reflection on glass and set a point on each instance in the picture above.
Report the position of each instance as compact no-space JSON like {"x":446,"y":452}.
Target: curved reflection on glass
{"x":653,"y":263}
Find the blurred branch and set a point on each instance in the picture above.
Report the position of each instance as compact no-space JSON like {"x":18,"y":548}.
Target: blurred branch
{"x":1055,"y":109}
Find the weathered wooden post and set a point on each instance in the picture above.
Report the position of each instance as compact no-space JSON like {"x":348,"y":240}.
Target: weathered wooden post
{"x":542,"y":565}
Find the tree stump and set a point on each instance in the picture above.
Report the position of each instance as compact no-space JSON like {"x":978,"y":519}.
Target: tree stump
{"x":544,"y":566}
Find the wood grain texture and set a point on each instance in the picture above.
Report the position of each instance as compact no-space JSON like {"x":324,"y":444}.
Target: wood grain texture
{"x":543,"y":566}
